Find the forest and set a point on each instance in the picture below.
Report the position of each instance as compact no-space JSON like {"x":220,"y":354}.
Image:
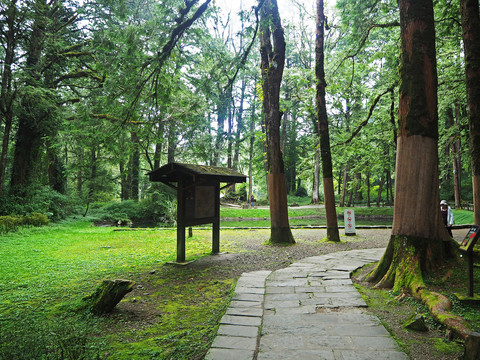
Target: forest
{"x":95,"y":94}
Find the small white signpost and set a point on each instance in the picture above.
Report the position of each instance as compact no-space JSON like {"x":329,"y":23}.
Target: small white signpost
{"x":349,"y":220}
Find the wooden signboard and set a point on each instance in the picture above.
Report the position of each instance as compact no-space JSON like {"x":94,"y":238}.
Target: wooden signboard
{"x":198,"y":197}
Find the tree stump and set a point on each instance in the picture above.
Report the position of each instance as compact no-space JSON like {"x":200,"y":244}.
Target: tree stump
{"x":108,"y":295}
{"x":472,"y":346}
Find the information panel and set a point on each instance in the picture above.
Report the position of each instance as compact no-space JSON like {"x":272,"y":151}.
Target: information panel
{"x":349,"y":220}
{"x":470,"y":239}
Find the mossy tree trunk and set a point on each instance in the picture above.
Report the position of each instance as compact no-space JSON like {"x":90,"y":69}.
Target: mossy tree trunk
{"x":328,"y":189}
{"x":471,"y":40}
{"x":418,"y":235}
{"x":272,"y":64}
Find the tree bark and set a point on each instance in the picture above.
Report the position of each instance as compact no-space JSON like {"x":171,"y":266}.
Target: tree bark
{"x":272,"y":64}
{"x":7,"y":95}
{"x":471,"y":39}
{"x":316,"y":176}
{"x":418,"y":234}
{"x":457,"y":163}
{"x":32,"y":115}
{"x":344,"y":186}
{"x":327,"y":167}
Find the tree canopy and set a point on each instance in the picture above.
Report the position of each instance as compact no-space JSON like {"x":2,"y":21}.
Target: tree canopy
{"x":94,"y":94}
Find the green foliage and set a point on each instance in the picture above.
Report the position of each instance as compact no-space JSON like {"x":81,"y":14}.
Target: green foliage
{"x":301,"y":192}
{"x":119,"y":211}
{"x":239,"y":195}
{"x":11,"y":223}
{"x":40,"y":200}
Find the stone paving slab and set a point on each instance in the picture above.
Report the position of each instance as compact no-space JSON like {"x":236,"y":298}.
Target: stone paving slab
{"x":309,"y":310}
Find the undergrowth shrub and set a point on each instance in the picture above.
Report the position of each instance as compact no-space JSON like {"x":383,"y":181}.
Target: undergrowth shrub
{"x":121,"y":211}
{"x":40,"y":200}
{"x":159,"y":206}
{"x":11,"y":223}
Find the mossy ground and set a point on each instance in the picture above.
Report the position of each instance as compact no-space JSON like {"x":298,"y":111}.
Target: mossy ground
{"x":394,"y":307}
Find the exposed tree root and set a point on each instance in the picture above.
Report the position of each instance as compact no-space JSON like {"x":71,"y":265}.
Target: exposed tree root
{"x":401,"y":269}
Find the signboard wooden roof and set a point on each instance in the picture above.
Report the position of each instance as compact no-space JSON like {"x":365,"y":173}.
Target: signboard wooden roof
{"x":172,"y":172}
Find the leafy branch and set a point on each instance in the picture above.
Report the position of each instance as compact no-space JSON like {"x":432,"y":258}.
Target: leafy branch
{"x":370,"y":113}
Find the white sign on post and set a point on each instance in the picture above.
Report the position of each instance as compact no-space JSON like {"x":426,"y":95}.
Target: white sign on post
{"x":349,"y":220}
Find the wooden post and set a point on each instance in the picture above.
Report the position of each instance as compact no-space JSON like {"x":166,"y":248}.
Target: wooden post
{"x":470,"y":273}
{"x":216,"y":222}
{"x":181,"y":222}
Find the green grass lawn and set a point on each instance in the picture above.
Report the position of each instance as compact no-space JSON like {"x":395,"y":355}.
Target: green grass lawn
{"x":259,"y":217}
{"x":264,"y":212}
{"x":45,"y":273}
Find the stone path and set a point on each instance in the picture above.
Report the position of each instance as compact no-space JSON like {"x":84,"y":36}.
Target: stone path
{"x":309,"y":310}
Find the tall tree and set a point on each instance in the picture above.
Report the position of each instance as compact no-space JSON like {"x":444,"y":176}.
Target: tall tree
{"x":37,"y":104}
{"x":471,"y":39}
{"x":327,"y":167}
{"x":272,"y":65}
{"x":8,"y":34}
{"x":418,"y":235}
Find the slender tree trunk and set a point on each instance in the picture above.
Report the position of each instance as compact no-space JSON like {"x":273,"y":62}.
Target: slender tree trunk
{"x":240,"y":127}
{"x":251,"y":148}
{"x":380,"y":189}
{"x":157,"y":157}
{"x":229,"y":139}
{"x":316,"y":175}
{"x":457,"y":163}
{"x":80,"y":173}
{"x":367,"y":180}
{"x":471,"y":40}
{"x":327,"y":167}
{"x":124,"y":193}
{"x":358,"y":187}
{"x":272,"y":64}
{"x":344,"y":186}
{"x":172,"y":142}
{"x":134,"y":168}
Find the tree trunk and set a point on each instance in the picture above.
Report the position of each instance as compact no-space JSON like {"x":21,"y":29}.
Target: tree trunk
{"x":380,"y":189}
{"x":29,"y":133}
{"x":272,"y":64}
{"x":251,"y":148}
{"x":172,"y":142}
{"x":418,"y":234}
{"x":134,"y":169}
{"x":240,"y":128}
{"x":316,"y":176}
{"x":124,"y":193}
{"x":157,"y":157}
{"x":7,"y":94}
{"x":457,"y":163}
{"x":344,"y":186}
{"x":327,"y":167}
{"x":367,"y":180}
{"x":471,"y":40}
